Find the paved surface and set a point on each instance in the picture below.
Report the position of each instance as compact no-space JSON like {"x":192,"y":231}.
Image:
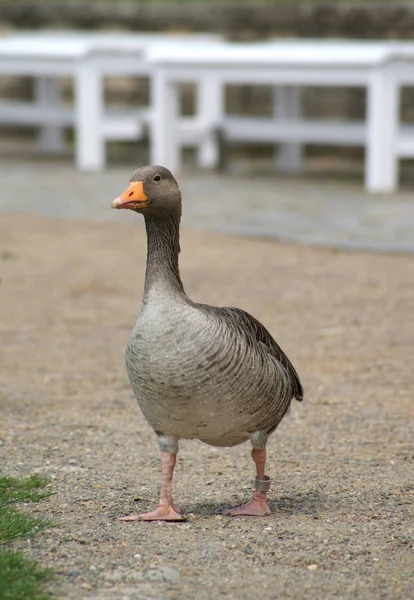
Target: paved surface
{"x":319,"y":211}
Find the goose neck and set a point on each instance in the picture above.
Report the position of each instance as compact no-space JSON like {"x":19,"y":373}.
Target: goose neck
{"x":163,"y":247}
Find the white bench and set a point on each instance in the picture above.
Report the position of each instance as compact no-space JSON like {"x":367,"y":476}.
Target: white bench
{"x":287,"y":66}
{"x":88,"y":58}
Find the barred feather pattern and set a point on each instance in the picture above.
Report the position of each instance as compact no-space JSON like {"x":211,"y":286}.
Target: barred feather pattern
{"x":197,"y":371}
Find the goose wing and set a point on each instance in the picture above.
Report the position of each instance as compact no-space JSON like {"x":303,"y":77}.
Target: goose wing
{"x":247,"y":325}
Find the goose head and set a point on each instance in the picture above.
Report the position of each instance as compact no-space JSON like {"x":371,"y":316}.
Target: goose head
{"x":152,"y":191}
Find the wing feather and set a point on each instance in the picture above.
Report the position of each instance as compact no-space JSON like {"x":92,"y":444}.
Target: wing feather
{"x":253,"y":328}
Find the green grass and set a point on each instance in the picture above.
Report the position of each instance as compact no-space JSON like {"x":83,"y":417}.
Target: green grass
{"x":21,"y":578}
{"x":14,"y":490}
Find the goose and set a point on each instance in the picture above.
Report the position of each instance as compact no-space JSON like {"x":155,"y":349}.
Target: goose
{"x":198,"y":371}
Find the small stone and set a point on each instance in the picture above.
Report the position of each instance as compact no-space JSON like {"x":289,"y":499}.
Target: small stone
{"x":134,"y":577}
{"x":248,"y":550}
{"x":169,"y":574}
{"x":86,"y":586}
{"x":312,"y":567}
{"x":73,"y":573}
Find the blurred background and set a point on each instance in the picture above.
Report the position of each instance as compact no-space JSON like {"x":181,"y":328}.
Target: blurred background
{"x":340,"y":212}
{"x":236,"y":21}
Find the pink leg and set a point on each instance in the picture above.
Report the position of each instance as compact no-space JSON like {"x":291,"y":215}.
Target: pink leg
{"x":258,"y":506}
{"x":165,"y":511}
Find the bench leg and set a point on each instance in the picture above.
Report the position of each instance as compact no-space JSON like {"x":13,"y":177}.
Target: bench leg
{"x":47,"y":92}
{"x":89,"y":140}
{"x":287,"y":106}
{"x":165,"y":144}
{"x":209,"y":112}
{"x":381,"y":161}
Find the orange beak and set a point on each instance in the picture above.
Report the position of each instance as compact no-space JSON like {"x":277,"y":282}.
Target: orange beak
{"x":133,"y":197}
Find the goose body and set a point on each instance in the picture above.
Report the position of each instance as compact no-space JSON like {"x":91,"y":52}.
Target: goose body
{"x":198,"y":371}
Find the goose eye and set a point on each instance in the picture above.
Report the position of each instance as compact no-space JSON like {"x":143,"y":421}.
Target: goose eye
{"x":156,"y":178}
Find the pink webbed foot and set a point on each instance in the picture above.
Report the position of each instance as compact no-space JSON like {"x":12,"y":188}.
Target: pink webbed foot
{"x":163,"y":512}
{"x":254,"y":508}
{"x":258,"y":505}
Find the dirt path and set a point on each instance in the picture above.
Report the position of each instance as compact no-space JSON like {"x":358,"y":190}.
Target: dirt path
{"x":341,"y":469}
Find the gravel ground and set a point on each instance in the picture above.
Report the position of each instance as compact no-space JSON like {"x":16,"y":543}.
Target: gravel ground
{"x":341,"y":468}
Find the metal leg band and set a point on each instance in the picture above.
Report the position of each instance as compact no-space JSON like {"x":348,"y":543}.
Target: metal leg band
{"x":262,"y":485}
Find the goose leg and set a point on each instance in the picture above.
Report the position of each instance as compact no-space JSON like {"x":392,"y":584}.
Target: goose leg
{"x":258,"y":505}
{"x":165,"y":511}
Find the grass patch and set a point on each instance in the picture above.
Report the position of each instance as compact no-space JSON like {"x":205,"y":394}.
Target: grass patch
{"x":31,"y":489}
{"x":21,"y":578}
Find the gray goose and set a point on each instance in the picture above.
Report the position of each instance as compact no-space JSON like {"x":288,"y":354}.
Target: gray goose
{"x":198,"y":371}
